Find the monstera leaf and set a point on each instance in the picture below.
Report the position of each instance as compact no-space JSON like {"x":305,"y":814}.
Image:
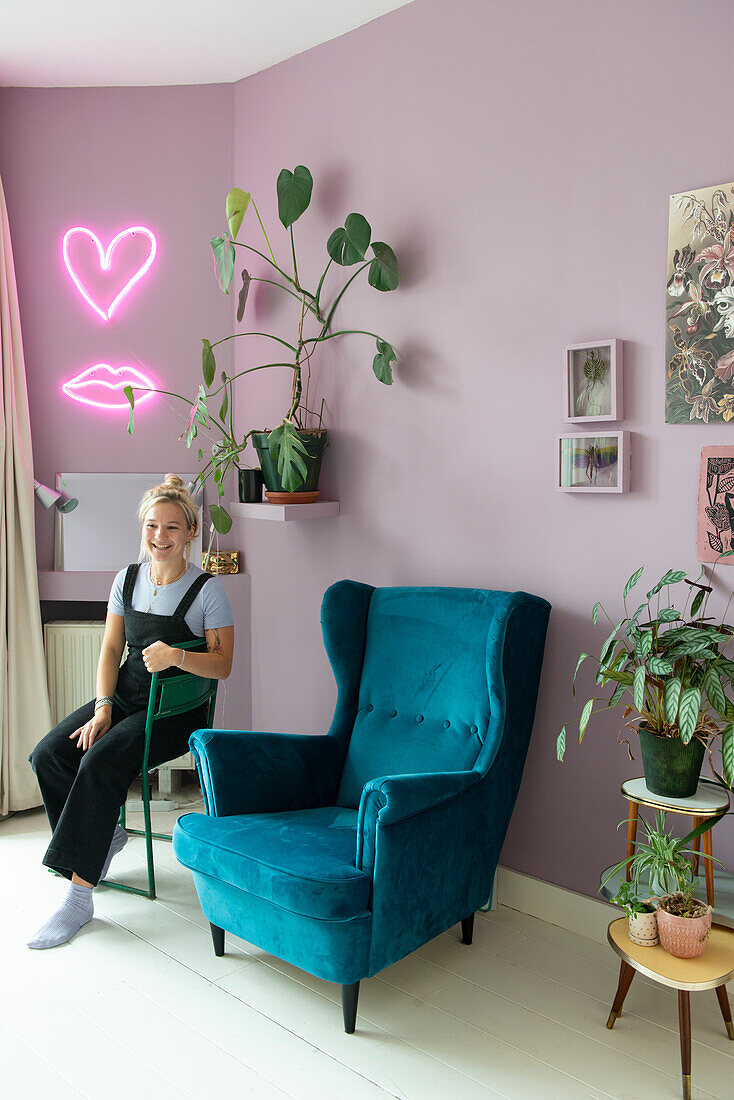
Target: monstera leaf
{"x":285,"y":445}
{"x":223,"y":250}
{"x":294,"y":194}
{"x":348,"y":244}
{"x":383,"y":273}
{"x":381,"y":363}
{"x":220,"y":518}
{"x":237,"y":203}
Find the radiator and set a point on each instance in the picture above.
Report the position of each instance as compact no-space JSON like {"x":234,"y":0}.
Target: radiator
{"x":72,"y":652}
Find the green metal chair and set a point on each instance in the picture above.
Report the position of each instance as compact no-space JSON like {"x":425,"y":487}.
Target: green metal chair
{"x":168,"y":696}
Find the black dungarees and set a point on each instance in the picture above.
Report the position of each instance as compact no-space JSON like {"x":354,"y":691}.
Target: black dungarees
{"x":83,"y":791}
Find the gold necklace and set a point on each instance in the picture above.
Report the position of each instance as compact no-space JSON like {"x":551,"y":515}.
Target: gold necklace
{"x":162,"y":584}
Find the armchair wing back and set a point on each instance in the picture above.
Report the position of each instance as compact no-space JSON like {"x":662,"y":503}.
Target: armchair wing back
{"x":342,"y":853}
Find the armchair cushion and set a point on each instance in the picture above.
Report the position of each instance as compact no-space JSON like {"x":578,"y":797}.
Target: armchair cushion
{"x":303,"y":860}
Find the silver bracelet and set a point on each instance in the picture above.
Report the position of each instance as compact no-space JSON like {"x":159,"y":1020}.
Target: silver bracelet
{"x":183,"y":654}
{"x":103,"y":701}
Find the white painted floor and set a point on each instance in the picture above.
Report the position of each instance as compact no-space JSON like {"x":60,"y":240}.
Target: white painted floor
{"x":139,"y":1006}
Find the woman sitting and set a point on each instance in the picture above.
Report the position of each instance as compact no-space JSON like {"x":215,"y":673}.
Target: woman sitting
{"x":87,"y":763}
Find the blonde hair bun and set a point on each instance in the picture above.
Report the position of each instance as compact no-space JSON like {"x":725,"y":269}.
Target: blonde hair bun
{"x":173,"y":481}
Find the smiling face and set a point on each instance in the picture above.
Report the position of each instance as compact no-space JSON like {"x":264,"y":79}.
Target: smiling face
{"x":166,"y":535}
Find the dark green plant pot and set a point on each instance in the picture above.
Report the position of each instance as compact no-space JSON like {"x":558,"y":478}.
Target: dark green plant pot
{"x":314,"y":440}
{"x":250,"y":485}
{"x":671,"y":768}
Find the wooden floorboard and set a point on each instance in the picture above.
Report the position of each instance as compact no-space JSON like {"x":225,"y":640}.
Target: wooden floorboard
{"x":520,"y":1014}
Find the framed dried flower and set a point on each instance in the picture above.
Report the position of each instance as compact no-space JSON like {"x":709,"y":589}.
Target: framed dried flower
{"x":593,"y":381}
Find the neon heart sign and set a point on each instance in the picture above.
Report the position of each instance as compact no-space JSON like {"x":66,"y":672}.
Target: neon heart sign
{"x":102,"y":386}
{"x":105,"y":260}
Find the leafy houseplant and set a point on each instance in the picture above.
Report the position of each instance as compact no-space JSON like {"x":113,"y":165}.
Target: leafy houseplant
{"x":291,"y":443}
{"x":672,"y":673}
{"x":668,"y":864}
{"x":641,"y":919}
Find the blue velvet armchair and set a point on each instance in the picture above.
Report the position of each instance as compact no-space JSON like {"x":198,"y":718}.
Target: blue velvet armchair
{"x":342,"y":853}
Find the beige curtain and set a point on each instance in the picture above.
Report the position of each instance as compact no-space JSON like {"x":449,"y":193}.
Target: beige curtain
{"x":24,"y":709}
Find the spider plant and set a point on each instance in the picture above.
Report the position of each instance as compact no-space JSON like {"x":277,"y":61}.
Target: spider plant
{"x":666,"y":861}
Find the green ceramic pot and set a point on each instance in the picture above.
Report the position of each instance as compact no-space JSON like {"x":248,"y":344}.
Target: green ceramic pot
{"x":671,"y":768}
{"x":314,"y":440}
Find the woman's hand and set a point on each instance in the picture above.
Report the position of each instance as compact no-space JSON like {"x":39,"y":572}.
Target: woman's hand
{"x":160,"y":656}
{"x":92,"y":730}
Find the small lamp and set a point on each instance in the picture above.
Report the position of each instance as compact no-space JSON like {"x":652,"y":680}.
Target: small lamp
{"x":50,"y":498}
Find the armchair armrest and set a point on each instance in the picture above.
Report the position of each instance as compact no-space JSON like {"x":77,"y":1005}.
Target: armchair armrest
{"x":390,"y":799}
{"x":247,"y":771}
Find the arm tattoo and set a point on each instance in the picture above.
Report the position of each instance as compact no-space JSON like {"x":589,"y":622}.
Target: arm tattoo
{"x":217,"y":647}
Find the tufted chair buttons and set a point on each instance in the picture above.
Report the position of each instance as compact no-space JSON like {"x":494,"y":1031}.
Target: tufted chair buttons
{"x":369,"y":707}
{"x":393,"y":714}
{"x":446,"y":724}
{"x":473,"y":729}
{"x":419,"y":717}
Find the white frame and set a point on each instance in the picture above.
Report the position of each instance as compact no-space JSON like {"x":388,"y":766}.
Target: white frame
{"x":613,"y":349}
{"x":623,"y":463}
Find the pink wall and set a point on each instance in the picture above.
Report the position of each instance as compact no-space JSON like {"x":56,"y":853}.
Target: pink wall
{"x":108,"y":158}
{"x":519,"y":157}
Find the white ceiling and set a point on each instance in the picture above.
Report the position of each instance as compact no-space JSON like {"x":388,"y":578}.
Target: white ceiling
{"x":94,"y":43}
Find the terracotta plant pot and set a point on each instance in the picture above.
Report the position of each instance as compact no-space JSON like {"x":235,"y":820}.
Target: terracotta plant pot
{"x":684,"y":937}
{"x":643,"y":929}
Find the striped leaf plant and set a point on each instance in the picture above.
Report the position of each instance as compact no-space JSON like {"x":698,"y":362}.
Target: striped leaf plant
{"x":670,"y":666}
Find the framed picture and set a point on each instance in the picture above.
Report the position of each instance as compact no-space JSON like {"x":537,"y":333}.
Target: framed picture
{"x":715,"y":504}
{"x":593,"y":381}
{"x":699,"y":329}
{"x":594,"y":463}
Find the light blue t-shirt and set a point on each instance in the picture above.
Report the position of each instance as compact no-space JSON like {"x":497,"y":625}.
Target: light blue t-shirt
{"x":211,"y":609}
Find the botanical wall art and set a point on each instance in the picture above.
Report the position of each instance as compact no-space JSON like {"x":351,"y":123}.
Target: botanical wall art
{"x":593,"y":381}
{"x":716,"y":504}
{"x":699,"y":339}
{"x":594,"y":463}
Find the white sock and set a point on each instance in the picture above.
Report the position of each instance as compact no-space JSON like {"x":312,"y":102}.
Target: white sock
{"x":119,"y":840}
{"x":76,"y":911}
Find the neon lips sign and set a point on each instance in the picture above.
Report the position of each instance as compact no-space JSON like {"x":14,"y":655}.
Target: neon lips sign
{"x":102,"y":386}
{"x":105,"y":259}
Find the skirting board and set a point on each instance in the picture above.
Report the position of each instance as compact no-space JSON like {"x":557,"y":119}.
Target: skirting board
{"x":554,"y":904}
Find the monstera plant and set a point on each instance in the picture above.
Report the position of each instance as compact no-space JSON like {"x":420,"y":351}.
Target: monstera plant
{"x":311,"y":325}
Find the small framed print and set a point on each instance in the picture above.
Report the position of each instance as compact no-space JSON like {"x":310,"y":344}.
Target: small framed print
{"x":593,"y":381}
{"x":594,"y":463}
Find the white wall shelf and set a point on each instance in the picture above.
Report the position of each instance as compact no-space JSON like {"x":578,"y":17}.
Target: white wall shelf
{"x":284,"y":513}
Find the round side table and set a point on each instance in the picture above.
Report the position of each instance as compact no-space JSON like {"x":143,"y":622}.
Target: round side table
{"x":710,"y":800}
{"x":712,"y":970}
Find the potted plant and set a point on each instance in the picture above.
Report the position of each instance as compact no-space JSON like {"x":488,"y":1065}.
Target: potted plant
{"x":290,"y":454}
{"x":667,"y":666}
{"x":641,"y":914}
{"x":683,"y":921}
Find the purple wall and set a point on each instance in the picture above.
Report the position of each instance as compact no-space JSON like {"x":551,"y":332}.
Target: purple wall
{"x":519,"y":158}
{"x":110,"y":158}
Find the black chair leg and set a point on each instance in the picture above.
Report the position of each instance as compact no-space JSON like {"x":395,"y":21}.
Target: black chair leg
{"x":467,"y":929}
{"x":217,"y":939}
{"x":350,"y":996}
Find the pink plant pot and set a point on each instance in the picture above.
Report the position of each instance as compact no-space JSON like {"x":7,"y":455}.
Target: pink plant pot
{"x":684,"y":937}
